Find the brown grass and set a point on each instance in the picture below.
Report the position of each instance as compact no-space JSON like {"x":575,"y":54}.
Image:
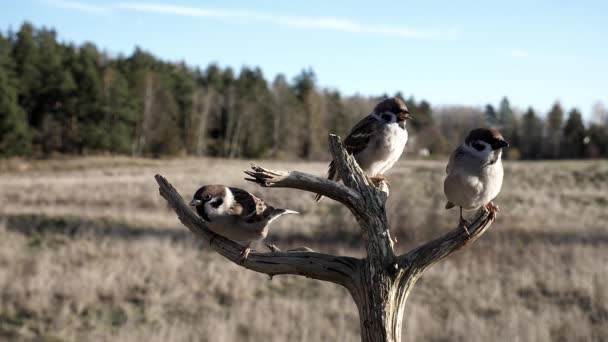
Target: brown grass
{"x":89,"y":251}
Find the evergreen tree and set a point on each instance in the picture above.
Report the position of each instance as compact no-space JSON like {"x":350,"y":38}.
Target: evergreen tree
{"x":15,"y":138}
{"x":288,"y":120}
{"x":422,"y":113}
{"x":338,"y":118}
{"x":491,"y":117}
{"x":554,"y":131}
{"x":27,"y":61}
{"x":598,"y":141}
{"x":506,"y":119}
{"x":91,"y":130}
{"x":314,"y":110}
{"x":118,"y":110}
{"x":183,"y":84}
{"x":574,"y":136}
{"x":67,"y":98}
{"x":531,"y":135}
{"x":162,"y":130}
{"x":55,"y":101}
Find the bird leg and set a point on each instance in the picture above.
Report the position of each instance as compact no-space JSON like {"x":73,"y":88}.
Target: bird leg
{"x":245,"y":252}
{"x":492,"y":209}
{"x":464,"y":223}
{"x":377,"y":180}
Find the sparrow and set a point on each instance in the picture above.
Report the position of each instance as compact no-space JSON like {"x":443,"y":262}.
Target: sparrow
{"x":474,"y":172}
{"x":235,"y":214}
{"x":377,"y":141}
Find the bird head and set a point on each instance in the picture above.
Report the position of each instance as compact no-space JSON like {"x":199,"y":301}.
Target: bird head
{"x":486,"y":143}
{"x":392,"y":110}
{"x":208,"y":199}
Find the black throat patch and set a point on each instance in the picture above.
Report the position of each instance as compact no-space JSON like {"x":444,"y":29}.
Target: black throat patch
{"x":201,"y":211}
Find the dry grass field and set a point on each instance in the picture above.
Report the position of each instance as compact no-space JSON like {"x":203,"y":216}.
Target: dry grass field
{"x":90,"y":252}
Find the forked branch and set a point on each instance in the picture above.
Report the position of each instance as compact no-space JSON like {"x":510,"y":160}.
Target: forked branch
{"x":421,"y":257}
{"x":379,"y":283}
{"x":303,"y":181}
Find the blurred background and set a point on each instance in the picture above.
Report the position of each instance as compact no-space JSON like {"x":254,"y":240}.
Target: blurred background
{"x":98,"y":96}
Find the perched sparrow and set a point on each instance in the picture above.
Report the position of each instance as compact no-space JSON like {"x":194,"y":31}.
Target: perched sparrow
{"x":474,"y":172}
{"x":378,"y":140}
{"x":235,"y":213}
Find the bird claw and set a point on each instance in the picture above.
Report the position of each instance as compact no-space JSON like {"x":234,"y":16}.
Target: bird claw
{"x":244,"y":254}
{"x":492,"y":210}
{"x":381,"y":183}
{"x":379,"y":178}
{"x":464,"y":223}
{"x":273,"y":248}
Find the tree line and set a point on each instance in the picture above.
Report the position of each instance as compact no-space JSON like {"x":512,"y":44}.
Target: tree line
{"x":62,"y":98}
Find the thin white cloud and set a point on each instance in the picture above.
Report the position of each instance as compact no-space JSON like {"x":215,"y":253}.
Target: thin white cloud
{"x":299,"y":22}
{"x":344,"y":25}
{"x":184,"y":10}
{"x":78,"y":6}
{"x":517,"y":53}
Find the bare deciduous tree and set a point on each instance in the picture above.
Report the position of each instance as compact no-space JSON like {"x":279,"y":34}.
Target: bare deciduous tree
{"x":379,"y":283}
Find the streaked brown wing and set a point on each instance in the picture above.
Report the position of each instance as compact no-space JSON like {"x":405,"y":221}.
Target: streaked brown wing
{"x":251,"y":207}
{"x":360,"y":135}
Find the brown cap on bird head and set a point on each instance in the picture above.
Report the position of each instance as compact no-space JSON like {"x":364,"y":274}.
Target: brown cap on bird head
{"x":206,"y":193}
{"x":394,"y":105}
{"x":488,"y":135}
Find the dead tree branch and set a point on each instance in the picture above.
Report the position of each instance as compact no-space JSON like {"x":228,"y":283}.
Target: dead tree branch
{"x":336,"y":269}
{"x":380,"y":283}
{"x":420,"y":258}
{"x":303,"y":181}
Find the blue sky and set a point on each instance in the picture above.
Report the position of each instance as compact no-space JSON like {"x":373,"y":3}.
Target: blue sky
{"x":448,"y":52}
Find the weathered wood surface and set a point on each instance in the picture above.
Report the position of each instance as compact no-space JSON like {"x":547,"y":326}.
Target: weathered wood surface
{"x":379,"y":283}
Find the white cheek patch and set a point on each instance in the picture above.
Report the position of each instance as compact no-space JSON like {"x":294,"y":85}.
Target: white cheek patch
{"x":227,"y":203}
{"x":381,"y":117}
{"x":486,"y":146}
{"x":228,"y":199}
{"x":483,"y":154}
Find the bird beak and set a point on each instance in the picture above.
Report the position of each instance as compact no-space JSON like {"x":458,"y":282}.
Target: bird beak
{"x":196,"y":202}
{"x":500,"y":144}
{"x":405,"y":116}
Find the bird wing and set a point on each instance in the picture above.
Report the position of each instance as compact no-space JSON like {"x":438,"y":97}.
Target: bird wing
{"x":361,"y":134}
{"x":457,"y":152}
{"x":251,"y":208}
{"x":355,"y":142}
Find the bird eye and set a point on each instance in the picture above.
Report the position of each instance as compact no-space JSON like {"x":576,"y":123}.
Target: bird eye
{"x":478,"y":146}
{"x":206,"y":198}
{"x":387,"y":117}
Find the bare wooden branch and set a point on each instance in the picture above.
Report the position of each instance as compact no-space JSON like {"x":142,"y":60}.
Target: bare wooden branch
{"x":303,"y":181}
{"x":336,"y":269}
{"x":433,"y":251}
{"x":380,"y":283}
{"x":347,"y":167}
{"x":372,"y":214}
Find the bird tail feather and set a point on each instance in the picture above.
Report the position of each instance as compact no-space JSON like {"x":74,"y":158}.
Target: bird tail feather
{"x":331,"y":175}
{"x":288,"y":211}
{"x":276,"y":212}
